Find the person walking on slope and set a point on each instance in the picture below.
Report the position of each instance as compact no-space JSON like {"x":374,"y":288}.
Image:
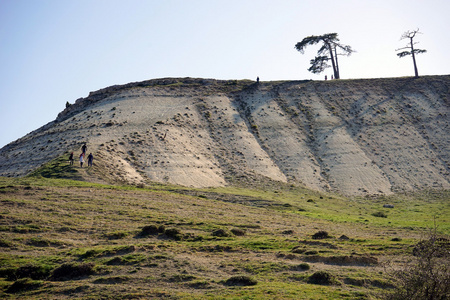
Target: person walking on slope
{"x":90,"y":159}
{"x":81,"y":159}
{"x":84,"y":148}
{"x":71,"y":159}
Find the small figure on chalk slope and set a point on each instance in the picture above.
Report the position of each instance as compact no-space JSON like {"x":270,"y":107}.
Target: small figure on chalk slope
{"x":90,"y":159}
{"x":84,"y":148}
{"x":71,"y":159}
{"x":81,"y":159}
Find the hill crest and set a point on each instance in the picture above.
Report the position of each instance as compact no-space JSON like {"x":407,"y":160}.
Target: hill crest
{"x":356,"y":137}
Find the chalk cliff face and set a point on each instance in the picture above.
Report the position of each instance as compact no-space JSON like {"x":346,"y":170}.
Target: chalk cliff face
{"x":356,"y":137}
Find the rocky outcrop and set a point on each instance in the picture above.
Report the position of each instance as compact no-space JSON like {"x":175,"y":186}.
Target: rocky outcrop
{"x":356,"y":137}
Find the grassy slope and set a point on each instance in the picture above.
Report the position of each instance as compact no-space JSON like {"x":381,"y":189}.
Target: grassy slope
{"x":45,"y":223}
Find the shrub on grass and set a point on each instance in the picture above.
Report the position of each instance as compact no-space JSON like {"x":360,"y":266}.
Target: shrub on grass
{"x":238,"y":232}
{"x":8,"y":273}
{"x":152,"y":230}
{"x":174,"y":233}
{"x":427,"y":275}
{"x":379,"y":214}
{"x":70,"y":271}
{"x":321,"y":235}
{"x":220,"y":233}
{"x":322,"y":277}
{"x":301,"y":267}
{"x":35,"y":272}
{"x":240,"y":281}
{"x":24,"y":284}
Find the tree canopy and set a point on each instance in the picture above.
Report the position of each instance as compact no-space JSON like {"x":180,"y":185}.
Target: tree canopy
{"x":329,"y":51}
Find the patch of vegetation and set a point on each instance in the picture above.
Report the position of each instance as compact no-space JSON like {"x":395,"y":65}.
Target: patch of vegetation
{"x":380,"y":214}
{"x":322,"y":278}
{"x":220,"y":233}
{"x":240,"y":280}
{"x":173,"y":233}
{"x":238,"y":232}
{"x":427,"y":274}
{"x":70,"y":271}
{"x":24,"y":284}
{"x":321,"y":235}
{"x":57,"y":168}
{"x":301,"y":267}
{"x":152,"y":230}
{"x":35,"y":272}
{"x":117,"y":236}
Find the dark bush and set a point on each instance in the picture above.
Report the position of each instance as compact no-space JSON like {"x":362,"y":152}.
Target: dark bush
{"x":24,"y":284}
{"x":301,"y":267}
{"x":240,"y":281}
{"x":31,"y":271}
{"x":427,"y":274}
{"x":379,"y":214}
{"x":322,"y":277}
{"x":437,"y":247}
{"x":321,"y":235}
{"x":238,"y":232}
{"x":8,"y":273}
{"x":152,"y":230}
{"x":173,"y":233}
{"x":220,"y":233}
{"x":72,"y":271}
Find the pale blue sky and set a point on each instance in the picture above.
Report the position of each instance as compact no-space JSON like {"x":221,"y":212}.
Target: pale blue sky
{"x":54,"y":51}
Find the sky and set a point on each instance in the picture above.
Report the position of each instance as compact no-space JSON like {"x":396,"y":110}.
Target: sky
{"x":56,"y":51}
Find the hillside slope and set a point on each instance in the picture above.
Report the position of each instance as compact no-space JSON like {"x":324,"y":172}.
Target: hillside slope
{"x":372,"y":136}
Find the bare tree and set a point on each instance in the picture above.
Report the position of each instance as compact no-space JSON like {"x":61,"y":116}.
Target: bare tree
{"x":329,"y":51}
{"x":427,"y":274}
{"x":410,"y":46}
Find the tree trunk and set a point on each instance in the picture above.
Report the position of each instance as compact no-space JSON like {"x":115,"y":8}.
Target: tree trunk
{"x":335,"y":70}
{"x":336,"y":74}
{"x":414,"y":59}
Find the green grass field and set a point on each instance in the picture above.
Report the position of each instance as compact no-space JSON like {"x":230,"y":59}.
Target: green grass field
{"x":62,"y":238}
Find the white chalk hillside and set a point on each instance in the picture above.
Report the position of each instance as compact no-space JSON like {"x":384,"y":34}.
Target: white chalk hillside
{"x":355,"y":137}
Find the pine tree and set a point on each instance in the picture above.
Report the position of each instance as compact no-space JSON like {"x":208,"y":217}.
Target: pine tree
{"x":329,"y":51}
